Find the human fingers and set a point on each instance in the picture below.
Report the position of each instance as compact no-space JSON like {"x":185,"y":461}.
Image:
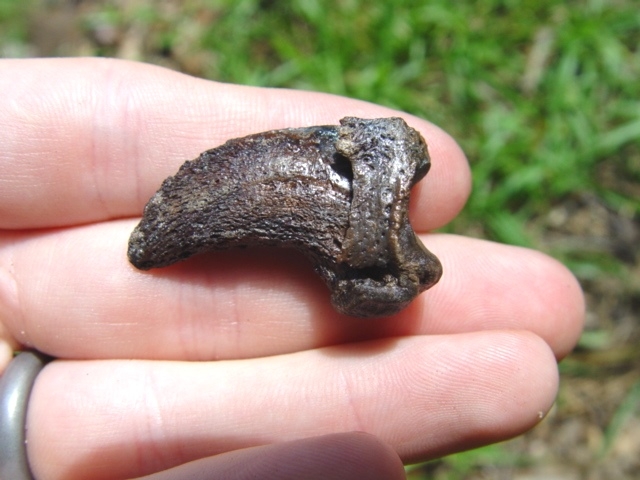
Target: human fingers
{"x":426,"y":396}
{"x":88,"y":140}
{"x":341,"y":456}
{"x":72,"y":294}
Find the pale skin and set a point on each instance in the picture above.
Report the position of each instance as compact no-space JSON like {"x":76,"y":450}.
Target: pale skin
{"x":221,"y":359}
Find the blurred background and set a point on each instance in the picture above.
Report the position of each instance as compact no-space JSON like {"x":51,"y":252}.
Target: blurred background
{"x":544,"y":97}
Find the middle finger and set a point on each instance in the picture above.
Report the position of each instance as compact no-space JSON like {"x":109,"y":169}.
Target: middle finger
{"x":91,"y":303}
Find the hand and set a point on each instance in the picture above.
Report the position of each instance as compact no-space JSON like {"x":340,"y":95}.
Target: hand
{"x":86,"y":142}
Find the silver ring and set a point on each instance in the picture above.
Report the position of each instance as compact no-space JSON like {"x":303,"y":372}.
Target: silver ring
{"x":15,"y":388}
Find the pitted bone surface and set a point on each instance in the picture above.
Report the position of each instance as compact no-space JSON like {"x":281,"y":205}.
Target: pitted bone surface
{"x":339,"y":194}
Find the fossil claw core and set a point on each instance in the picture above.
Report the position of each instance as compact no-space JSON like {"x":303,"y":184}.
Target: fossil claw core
{"x":339,"y":194}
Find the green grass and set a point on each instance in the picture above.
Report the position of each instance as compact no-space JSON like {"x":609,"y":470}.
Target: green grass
{"x":489,"y":460}
{"x":627,"y":409}
{"x":12,"y":22}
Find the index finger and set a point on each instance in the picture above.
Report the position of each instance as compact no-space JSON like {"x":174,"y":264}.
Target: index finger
{"x":87,"y":140}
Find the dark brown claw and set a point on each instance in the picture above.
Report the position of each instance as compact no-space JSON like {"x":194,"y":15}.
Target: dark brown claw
{"x":339,"y":194}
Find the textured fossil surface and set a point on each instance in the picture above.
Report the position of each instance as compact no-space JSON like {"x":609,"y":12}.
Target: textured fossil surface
{"x":338,"y":193}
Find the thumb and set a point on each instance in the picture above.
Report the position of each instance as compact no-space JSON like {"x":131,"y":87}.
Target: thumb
{"x":341,"y":456}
